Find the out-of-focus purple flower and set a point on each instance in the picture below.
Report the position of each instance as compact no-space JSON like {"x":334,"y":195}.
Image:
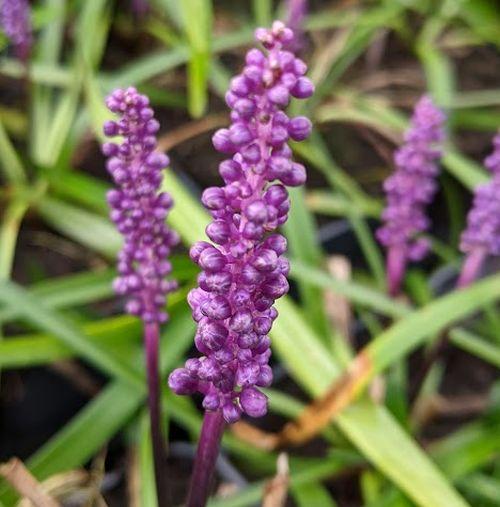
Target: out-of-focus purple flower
{"x":137,"y":208}
{"x":140,"y":7}
{"x":15,"y":17}
{"x":296,"y":12}
{"x":410,"y":189}
{"x":244,"y":270}
{"x":482,"y":235}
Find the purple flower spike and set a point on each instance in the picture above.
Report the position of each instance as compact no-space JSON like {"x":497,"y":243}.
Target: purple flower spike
{"x":137,"y":208}
{"x":409,"y":190}
{"x":482,"y":235}
{"x":140,"y":7}
{"x":15,"y":18}
{"x":244,"y":270}
{"x":296,"y":12}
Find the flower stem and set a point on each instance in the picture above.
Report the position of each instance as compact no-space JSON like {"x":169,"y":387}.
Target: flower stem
{"x":396,"y":265}
{"x":471,"y":267}
{"x":152,"y":339}
{"x":206,"y":456}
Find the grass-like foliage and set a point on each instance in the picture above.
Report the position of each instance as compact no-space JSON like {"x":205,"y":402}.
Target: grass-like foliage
{"x":378,"y":401}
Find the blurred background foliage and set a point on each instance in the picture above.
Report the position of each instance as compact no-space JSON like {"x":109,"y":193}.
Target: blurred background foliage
{"x":425,"y":431}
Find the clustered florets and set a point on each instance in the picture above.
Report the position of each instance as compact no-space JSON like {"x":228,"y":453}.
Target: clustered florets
{"x":483,"y":220}
{"x":15,"y":17}
{"x":413,"y":185}
{"x":246,"y":272}
{"x":138,"y":209}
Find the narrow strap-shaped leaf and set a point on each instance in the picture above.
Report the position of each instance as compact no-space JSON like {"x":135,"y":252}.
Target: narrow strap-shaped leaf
{"x":300,"y":231}
{"x":10,"y":163}
{"x":51,"y":322}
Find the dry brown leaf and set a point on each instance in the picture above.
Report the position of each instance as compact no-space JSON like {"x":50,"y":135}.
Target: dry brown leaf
{"x":427,"y":408}
{"x":255,"y":436}
{"x":276,"y":490}
{"x":316,"y":416}
{"x":338,"y":308}
{"x":190,"y":130}
{"x":25,"y":483}
{"x":133,"y":478}
{"x":78,"y":376}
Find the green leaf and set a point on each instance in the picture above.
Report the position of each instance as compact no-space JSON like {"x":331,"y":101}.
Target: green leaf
{"x":438,"y":69}
{"x":466,"y":171}
{"x":197,"y":22}
{"x":72,"y":446}
{"x":412,"y":330}
{"x":357,"y":293}
{"x":187,"y":216}
{"x":9,"y":229}
{"x":467,"y":449}
{"x":93,"y":19}
{"x":262,"y":12}
{"x":369,"y":248}
{"x":115,"y":334}
{"x":371,"y":428}
{"x":312,"y":494}
{"x":483,"y":17}
{"x":89,"y":229}
{"x":146,"y":466}
{"x":80,"y":188}
{"x":301,"y":231}
{"x":49,"y":321}
{"x":252,"y":494}
{"x":365,"y":28}
{"x":475,"y":345}
{"x":10,"y":161}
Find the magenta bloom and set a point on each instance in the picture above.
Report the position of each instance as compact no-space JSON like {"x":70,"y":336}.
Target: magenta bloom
{"x":296,"y":12}
{"x":410,"y":189}
{"x":482,"y":235}
{"x":140,"y":7}
{"x":15,"y":18}
{"x":138,"y":209}
{"x":244,"y":270}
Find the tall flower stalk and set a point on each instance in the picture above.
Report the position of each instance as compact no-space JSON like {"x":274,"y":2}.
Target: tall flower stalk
{"x":482,"y":235}
{"x":296,"y":11}
{"x":409,"y":190}
{"x":243,"y":269}
{"x":139,"y":7}
{"x":15,"y":18}
{"x":139,"y":210}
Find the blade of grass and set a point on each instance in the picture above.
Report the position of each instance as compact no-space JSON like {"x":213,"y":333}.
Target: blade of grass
{"x":197,"y":23}
{"x":115,"y":334}
{"x":483,"y":17}
{"x":72,"y":446}
{"x":49,"y":321}
{"x":466,"y":171}
{"x":10,"y":162}
{"x":477,"y":346}
{"x":9,"y":229}
{"x":366,"y":27}
{"x":369,"y":248}
{"x":262,"y":12}
{"x":48,"y":51}
{"x":300,"y":231}
{"x":438,"y":69}
{"x":87,"y":228}
{"x":311,"y":494}
{"x":253,"y":493}
{"x":370,"y":427}
{"x":146,"y":467}
{"x":355,"y":292}
{"x":409,"y":332}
